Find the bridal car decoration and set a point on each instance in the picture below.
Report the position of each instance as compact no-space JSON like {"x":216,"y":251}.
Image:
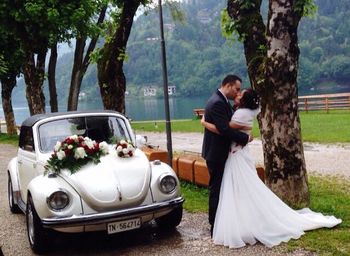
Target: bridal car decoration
{"x":116,"y":195}
{"x":74,"y":152}
{"x":125,"y":149}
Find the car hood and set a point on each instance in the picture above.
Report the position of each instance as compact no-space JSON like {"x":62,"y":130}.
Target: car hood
{"x":113,"y":183}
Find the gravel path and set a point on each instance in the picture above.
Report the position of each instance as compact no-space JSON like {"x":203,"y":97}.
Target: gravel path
{"x":191,"y":237}
{"x":332,"y":159}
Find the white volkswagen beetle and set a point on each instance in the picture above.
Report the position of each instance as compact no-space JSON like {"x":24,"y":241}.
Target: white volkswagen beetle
{"x":114,"y":194}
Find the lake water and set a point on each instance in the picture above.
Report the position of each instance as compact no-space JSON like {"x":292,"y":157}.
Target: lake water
{"x":143,"y":109}
{"x":136,"y":109}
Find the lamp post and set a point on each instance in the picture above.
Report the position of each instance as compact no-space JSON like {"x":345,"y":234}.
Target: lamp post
{"x":165,"y":86}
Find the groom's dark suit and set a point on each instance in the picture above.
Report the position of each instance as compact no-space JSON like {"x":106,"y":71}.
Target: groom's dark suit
{"x":216,"y":146}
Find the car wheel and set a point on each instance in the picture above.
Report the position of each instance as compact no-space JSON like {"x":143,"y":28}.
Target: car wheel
{"x":37,"y":235}
{"x":13,"y":206}
{"x":170,"y":220}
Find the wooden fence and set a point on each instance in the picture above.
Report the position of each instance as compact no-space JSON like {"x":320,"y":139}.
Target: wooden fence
{"x":312,"y":102}
{"x":325,"y":102}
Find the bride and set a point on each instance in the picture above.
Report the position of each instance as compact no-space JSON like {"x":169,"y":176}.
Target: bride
{"x":248,"y":210}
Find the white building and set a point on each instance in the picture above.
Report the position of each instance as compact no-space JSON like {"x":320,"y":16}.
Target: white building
{"x":171,"y":89}
{"x":149,"y":91}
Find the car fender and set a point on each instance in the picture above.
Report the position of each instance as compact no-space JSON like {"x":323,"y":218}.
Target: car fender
{"x":40,"y":189}
{"x":160,"y":169}
{"x":12,"y":170}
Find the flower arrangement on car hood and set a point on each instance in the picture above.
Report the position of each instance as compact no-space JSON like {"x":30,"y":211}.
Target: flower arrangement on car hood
{"x":74,"y":152}
{"x":125,"y":148}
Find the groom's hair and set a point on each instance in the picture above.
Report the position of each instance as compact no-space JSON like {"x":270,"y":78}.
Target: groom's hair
{"x":230,"y":79}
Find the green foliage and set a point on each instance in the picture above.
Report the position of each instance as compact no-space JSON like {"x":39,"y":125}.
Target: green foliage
{"x":175,"y":11}
{"x":229,"y":28}
{"x":3,"y":66}
{"x":305,"y":7}
{"x":316,"y":54}
{"x":11,"y":52}
{"x":42,"y":23}
{"x":198,"y":56}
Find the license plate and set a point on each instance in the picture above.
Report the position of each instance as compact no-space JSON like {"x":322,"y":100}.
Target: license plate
{"x":124,"y":225}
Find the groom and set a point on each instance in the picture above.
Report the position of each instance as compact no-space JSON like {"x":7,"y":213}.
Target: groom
{"x":216,"y":147}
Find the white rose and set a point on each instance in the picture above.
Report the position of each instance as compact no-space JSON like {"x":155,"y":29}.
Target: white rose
{"x":61,"y":155}
{"x":89,"y":143}
{"x":70,"y":146}
{"x":130,"y":147}
{"x":122,"y":142}
{"x":103,"y":147}
{"x":58,"y":146}
{"x":119,"y":149}
{"x":74,"y":137}
{"x":79,"y":153}
{"x":125,"y":151}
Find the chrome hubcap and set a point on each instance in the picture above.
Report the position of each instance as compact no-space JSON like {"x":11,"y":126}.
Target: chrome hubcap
{"x":30,"y":220}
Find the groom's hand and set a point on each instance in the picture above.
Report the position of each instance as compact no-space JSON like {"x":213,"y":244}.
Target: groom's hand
{"x":251,"y":138}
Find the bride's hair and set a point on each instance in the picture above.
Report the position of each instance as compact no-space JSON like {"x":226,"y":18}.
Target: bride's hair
{"x":250,"y":99}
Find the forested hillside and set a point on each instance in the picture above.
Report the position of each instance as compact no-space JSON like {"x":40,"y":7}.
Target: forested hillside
{"x":198,"y":56}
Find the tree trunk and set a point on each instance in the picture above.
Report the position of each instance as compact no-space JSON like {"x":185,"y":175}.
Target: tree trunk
{"x":52,"y":79}
{"x":77,"y":75}
{"x":272,"y":67}
{"x":6,"y":91}
{"x":81,"y":64}
{"x":251,"y":29}
{"x":111,"y":77}
{"x":280,"y":123}
{"x":34,"y":78}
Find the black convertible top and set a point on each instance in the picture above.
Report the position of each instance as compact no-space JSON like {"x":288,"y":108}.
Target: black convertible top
{"x":30,"y":121}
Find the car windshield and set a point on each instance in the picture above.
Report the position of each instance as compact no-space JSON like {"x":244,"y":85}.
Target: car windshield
{"x":99,"y":128}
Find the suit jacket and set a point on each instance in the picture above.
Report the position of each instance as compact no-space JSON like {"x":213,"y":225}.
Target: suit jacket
{"x":216,"y":146}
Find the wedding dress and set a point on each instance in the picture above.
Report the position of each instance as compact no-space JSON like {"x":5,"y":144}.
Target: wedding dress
{"x":249,"y":211}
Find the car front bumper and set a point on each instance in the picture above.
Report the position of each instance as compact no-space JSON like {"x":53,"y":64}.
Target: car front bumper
{"x":102,"y":218}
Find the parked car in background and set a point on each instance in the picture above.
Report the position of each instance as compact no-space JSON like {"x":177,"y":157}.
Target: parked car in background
{"x":80,"y":172}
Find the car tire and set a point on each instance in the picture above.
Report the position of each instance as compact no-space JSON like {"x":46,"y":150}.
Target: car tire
{"x":13,"y":206}
{"x":170,"y":220}
{"x":38,"y":236}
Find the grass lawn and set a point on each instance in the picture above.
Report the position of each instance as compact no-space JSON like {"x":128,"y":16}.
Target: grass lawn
{"x":316,"y":126}
{"x":9,"y":139}
{"x":329,"y":195}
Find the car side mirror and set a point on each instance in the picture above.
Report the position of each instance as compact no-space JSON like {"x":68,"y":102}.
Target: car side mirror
{"x":141,"y":141}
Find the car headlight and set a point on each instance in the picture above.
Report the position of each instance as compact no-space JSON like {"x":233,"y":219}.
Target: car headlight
{"x":167,"y":184}
{"x":58,"y":200}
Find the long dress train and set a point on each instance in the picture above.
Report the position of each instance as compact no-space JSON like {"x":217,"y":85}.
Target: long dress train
{"x":249,"y":211}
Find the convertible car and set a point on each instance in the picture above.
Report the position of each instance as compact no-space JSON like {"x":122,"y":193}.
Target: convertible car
{"x":81,"y":171}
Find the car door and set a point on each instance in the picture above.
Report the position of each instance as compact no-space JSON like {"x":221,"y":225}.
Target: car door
{"x":26,"y":158}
